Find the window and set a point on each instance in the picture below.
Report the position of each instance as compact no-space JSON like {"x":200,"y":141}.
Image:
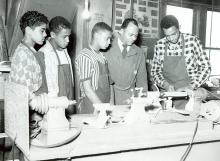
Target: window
{"x":212,"y":29}
{"x":184,"y":16}
{"x":214,"y":61}
{"x":212,"y":42}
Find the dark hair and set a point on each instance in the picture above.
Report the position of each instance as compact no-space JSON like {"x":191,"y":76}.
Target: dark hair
{"x":32,"y":19}
{"x":100,"y":26}
{"x":127,"y":21}
{"x":57,"y":23}
{"x":169,"y":21}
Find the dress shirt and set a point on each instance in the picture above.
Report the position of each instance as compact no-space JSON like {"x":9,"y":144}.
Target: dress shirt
{"x":121,"y":47}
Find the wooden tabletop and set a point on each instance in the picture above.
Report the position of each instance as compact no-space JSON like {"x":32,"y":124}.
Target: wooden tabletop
{"x":117,"y":138}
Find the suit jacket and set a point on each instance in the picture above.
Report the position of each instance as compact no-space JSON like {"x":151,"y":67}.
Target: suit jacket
{"x":128,"y":72}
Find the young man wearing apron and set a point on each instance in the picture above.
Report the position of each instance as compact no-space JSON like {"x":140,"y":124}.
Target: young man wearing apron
{"x":179,"y":62}
{"x":59,"y":75}
{"x":92,"y":69}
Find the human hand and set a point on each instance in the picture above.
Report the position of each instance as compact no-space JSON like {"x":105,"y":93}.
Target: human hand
{"x":39,"y":103}
{"x":168,"y":87}
{"x":215,"y":81}
{"x":201,"y":93}
{"x":211,"y":110}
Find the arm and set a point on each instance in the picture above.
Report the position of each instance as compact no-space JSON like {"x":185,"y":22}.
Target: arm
{"x":24,"y":71}
{"x":156,"y":69}
{"x":85,"y":69}
{"x":90,"y":93}
{"x":203,"y":64}
{"x":142,"y":73}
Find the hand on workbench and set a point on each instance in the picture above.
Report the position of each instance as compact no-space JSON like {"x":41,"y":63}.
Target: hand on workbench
{"x":211,"y":110}
{"x":201,"y":93}
{"x":215,"y":81}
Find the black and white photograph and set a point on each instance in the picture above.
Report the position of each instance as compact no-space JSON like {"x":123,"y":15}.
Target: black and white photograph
{"x":101,"y":80}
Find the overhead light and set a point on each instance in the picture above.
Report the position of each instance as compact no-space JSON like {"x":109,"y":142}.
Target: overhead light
{"x":86,"y":14}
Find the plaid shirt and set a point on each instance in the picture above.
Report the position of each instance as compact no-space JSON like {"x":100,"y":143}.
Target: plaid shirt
{"x":197,"y":63}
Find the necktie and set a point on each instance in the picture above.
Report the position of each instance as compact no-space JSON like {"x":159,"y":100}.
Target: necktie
{"x":124,"y":51}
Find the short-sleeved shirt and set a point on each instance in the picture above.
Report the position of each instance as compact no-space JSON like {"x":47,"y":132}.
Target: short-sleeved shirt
{"x":25,"y":69}
{"x":87,"y":67}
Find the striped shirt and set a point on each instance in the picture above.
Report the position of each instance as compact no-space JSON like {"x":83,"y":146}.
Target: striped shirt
{"x":87,"y":67}
{"x":196,"y":61}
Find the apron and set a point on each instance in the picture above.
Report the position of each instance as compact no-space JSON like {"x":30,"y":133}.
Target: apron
{"x":174,"y":72}
{"x":65,"y":81}
{"x":35,"y":117}
{"x":103,"y":90}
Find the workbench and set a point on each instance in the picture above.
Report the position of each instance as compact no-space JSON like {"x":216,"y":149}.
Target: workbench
{"x":166,"y":141}
{"x":165,"y":138}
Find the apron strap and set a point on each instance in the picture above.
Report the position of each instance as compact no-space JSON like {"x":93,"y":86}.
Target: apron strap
{"x":183,"y":51}
{"x":58,"y":59}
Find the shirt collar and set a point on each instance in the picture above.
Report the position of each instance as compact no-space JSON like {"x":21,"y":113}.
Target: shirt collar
{"x":120,"y":44}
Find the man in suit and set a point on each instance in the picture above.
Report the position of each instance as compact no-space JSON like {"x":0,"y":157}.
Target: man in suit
{"x":126,"y":62}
